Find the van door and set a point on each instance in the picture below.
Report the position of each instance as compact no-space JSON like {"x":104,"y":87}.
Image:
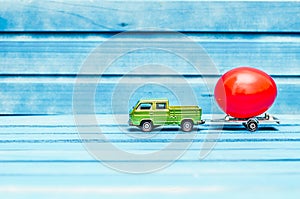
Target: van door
{"x":161,"y":114}
{"x":144,"y":111}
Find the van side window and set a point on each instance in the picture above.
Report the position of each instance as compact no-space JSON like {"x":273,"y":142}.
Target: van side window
{"x":145,"y":106}
{"x":161,"y":105}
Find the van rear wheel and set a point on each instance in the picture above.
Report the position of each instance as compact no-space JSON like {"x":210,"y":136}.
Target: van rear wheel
{"x":146,"y":126}
{"x":187,"y":125}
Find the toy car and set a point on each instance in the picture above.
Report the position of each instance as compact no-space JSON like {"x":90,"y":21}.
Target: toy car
{"x":151,"y":113}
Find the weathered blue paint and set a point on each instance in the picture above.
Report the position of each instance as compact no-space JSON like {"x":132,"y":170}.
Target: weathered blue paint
{"x":55,"y":96}
{"x":43,"y":157}
{"x":98,"y":15}
{"x":41,"y":153}
{"x":47,"y":54}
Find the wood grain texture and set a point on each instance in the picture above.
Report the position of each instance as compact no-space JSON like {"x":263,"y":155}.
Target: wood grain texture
{"x":243,"y":163}
{"x":97,"y":15}
{"x":65,"y":54}
{"x":43,"y":46}
{"x":40,"y":95}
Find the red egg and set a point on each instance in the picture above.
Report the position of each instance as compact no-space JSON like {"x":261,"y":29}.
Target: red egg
{"x":245,"y":92}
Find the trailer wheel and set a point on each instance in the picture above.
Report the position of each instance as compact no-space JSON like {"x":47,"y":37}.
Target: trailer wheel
{"x":252,"y":125}
{"x":146,"y":126}
{"x":187,"y":125}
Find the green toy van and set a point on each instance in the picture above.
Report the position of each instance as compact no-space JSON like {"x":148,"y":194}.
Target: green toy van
{"x":151,"y":113}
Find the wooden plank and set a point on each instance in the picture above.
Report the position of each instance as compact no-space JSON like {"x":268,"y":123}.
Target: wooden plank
{"x":42,"y":155}
{"x":128,"y":186}
{"x":199,"y":167}
{"x":66,"y":54}
{"x":55,"y":95}
{"x":97,"y":15}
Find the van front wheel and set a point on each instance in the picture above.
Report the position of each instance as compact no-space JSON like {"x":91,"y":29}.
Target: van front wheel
{"x":146,"y":126}
{"x":187,"y":125}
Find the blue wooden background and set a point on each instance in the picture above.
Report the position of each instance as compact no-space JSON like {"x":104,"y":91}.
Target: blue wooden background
{"x":43,"y":45}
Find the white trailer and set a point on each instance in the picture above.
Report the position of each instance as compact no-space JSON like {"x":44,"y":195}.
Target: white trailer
{"x":250,"y":124}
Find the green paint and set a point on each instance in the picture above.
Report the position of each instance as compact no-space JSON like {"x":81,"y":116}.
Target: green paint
{"x":158,"y":112}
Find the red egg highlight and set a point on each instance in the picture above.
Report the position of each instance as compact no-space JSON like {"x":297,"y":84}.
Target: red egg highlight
{"x":245,"y":92}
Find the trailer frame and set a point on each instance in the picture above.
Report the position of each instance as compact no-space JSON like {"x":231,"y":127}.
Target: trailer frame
{"x":251,"y":124}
